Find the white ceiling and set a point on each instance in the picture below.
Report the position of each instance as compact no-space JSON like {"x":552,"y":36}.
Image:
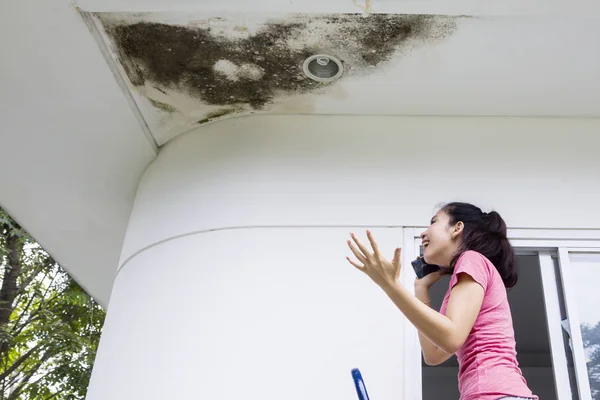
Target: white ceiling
{"x":450,"y":65}
{"x":442,"y":7}
{"x":76,"y":146}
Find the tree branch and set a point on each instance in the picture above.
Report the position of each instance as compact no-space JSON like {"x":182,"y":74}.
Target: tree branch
{"x":15,"y":394}
{"x":32,"y":317}
{"x":29,"y":279}
{"x":18,"y":363}
{"x":25,"y":284}
{"x":23,"y":312}
{"x":9,"y":288}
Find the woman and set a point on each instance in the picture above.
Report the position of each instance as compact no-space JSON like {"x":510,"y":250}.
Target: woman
{"x":475,"y":321}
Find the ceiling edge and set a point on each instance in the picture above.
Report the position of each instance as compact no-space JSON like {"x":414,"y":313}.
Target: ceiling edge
{"x":97,"y":32}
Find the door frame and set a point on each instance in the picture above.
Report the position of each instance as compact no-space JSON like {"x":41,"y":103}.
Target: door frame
{"x":545,"y":243}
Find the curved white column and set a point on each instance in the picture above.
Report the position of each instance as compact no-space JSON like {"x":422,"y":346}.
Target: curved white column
{"x":233,"y":282}
{"x":367,"y":170}
{"x":264,"y":314}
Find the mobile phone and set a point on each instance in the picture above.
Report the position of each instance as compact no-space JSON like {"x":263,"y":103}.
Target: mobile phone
{"x":359,"y":383}
{"x":421,"y":268}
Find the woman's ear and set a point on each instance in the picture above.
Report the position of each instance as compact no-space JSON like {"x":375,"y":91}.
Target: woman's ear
{"x":457,"y":229}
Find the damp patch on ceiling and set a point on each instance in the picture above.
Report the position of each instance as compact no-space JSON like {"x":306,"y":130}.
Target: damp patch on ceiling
{"x":193,"y":71}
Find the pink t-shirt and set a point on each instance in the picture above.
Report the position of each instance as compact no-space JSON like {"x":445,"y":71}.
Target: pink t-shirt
{"x":488,"y":367}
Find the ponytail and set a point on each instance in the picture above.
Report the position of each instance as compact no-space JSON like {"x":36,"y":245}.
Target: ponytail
{"x":485,"y":233}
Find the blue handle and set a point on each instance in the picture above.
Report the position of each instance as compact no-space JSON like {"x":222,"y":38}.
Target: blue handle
{"x":361,"y":389}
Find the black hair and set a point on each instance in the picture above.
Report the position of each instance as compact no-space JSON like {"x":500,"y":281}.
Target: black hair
{"x":485,"y":233}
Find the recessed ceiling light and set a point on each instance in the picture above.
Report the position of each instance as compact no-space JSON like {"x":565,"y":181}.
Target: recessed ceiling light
{"x":323,"y":68}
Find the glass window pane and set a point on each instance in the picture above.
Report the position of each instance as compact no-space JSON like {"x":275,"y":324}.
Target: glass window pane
{"x":585,"y":269}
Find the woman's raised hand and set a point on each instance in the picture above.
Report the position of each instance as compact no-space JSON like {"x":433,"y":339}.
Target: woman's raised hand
{"x":372,"y":263}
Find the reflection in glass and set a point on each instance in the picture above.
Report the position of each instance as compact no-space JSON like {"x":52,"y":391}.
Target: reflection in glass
{"x":585,"y":272}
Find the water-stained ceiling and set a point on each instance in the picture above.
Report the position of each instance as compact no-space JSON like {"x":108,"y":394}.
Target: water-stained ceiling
{"x":183,"y":72}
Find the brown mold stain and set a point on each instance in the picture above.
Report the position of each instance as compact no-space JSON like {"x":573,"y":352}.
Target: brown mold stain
{"x":217,"y":114}
{"x":162,"y":106}
{"x":183,"y":58}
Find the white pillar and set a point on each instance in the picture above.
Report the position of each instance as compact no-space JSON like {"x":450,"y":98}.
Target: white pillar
{"x":211,"y":304}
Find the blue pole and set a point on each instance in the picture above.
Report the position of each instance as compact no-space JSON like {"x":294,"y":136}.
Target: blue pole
{"x":359,"y":383}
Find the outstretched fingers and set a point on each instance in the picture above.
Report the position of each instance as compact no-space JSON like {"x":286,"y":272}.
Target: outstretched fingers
{"x":374,"y":244}
{"x":363,"y":249}
{"x":356,"y":265}
{"x":357,"y":253}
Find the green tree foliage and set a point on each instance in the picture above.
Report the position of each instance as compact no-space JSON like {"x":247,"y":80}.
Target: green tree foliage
{"x":591,"y":343}
{"x":49,"y":326}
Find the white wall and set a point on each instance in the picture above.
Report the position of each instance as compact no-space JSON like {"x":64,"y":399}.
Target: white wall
{"x":368,"y":171}
{"x":268,"y":314}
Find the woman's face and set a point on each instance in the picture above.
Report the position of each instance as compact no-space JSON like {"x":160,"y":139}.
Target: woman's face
{"x":440,"y":241}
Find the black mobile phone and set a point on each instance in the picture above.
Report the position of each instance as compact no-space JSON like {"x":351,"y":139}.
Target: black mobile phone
{"x":421,"y":268}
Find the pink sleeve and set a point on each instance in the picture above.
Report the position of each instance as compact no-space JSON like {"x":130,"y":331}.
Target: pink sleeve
{"x":474,"y":265}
